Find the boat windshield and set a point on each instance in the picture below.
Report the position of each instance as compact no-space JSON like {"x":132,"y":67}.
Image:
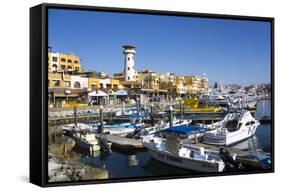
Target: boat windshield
{"x":231,"y":125}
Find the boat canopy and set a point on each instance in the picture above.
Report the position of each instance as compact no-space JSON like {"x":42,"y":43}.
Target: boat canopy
{"x":185,"y":129}
{"x":135,"y":115}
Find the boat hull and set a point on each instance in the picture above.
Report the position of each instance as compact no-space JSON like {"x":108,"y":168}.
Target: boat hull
{"x":230,"y":138}
{"x":186,"y":163}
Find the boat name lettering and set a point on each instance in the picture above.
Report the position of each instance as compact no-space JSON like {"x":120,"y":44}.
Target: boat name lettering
{"x":174,"y":159}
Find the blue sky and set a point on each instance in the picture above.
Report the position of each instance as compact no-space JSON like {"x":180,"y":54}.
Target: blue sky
{"x":228,"y":51}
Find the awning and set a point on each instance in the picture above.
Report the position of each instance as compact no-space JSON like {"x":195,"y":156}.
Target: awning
{"x":185,"y":129}
{"x":121,"y":93}
{"x":111,"y":93}
{"x":97,"y":93}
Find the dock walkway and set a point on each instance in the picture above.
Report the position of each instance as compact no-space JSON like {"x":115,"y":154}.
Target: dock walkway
{"x":124,"y":143}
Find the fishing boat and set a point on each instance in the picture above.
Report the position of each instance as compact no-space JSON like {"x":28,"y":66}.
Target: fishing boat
{"x":235,"y":127}
{"x":171,"y":147}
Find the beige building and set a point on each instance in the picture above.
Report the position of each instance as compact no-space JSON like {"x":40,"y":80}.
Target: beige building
{"x":59,"y":62}
{"x":148,"y":79}
{"x":195,"y":85}
{"x":59,"y":80}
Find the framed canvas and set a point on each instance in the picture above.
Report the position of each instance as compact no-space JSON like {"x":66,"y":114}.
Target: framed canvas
{"x":121,"y":95}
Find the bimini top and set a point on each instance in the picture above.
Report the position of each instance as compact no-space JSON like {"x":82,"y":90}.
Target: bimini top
{"x":185,"y":129}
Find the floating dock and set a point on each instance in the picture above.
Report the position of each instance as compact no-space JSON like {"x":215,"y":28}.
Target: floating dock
{"x":125,"y":144}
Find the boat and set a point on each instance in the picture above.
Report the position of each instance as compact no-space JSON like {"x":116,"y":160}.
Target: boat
{"x":214,"y":100}
{"x":234,"y":128}
{"x":244,"y":101}
{"x":84,"y":137}
{"x":171,"y":147}
{"x":256,"y":159}
{"x":191,"y":105}
{"x":91,"y":142}
{"x":161,"y":125}
{"x":123,"y":129}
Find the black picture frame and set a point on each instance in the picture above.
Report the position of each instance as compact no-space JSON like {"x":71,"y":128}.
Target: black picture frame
{"x":39,"y":89}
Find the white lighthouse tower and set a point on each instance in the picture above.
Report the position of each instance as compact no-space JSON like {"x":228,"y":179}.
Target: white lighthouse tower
{"x":129,"y":70}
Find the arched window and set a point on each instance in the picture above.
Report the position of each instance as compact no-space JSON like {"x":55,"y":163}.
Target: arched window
{"x":77,"y":85}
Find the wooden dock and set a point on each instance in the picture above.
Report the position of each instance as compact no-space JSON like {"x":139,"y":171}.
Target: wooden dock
{"x":125,"y":144}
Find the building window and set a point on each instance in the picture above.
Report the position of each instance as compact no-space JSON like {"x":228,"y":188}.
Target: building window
{"x":77,"y":85}
{"x":93,"y":86}
{"x":69,"y":61}
{"x":56,"y":83}
{"x":66,"y":84}
{"x":63,"y":59}
{"x":62,"y":67}
{"x":76,"y":68}
{"x":55,"y":59}
{"x":128,"y":58}
{"x":69,"y":67}
{"x":76,"y":62}
{"x":54,"y":66}
{"x":101,"y":85}
{"x":128,"y":68}
{"x":128,"y":77}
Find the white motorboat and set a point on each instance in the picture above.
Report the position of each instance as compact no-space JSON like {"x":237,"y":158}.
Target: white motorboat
{"x":84,"y":137}
{"x":173,"y":151}
{"x":234,"y":128}
{"x":123,"y":129}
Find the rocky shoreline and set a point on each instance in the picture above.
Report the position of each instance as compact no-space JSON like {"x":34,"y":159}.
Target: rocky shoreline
{"x":63,"y":168}
{"x":61,"y":171}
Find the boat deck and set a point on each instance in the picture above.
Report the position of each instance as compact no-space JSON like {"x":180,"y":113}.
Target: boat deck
{"x":237,"y":151}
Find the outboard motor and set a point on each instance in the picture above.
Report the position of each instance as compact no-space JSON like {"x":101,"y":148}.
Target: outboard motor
{"x":104,"y":143}
{"x":228,"y":158}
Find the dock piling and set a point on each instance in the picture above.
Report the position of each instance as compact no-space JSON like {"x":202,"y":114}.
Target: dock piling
{"x":181,"y":111}
{"x":151,"y":114}
{"x":123,"y":107}
{"x":75,"y":116}
{"x":101,"y":120}
{"x":171,"y":116}
{"x":138,"y":106}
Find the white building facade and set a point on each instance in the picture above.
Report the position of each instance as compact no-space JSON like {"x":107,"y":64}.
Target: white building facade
{"x":54,"y":61}
{"x":78,"y":82}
